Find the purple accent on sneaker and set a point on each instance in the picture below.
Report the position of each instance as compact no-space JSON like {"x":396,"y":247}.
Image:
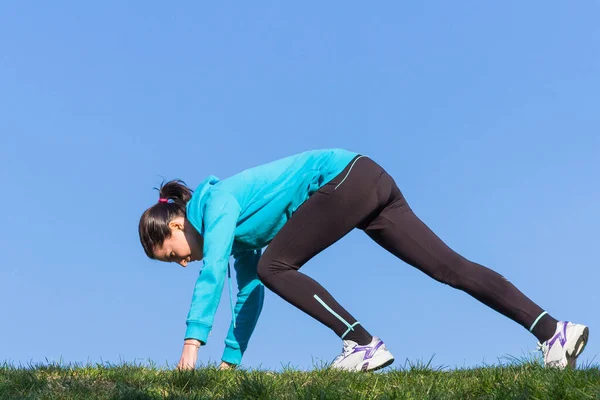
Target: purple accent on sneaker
{"x":369,"y":350}
{"x":365,"y":366}
{"x":561,"y":336}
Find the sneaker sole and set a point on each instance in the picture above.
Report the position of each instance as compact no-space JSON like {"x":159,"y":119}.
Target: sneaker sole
{"x":378,"y":362}
{"x":579,"y":347}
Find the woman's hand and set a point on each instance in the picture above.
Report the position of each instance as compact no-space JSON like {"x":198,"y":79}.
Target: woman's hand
{"x":225,"y":365}
{"x":189,"y":355}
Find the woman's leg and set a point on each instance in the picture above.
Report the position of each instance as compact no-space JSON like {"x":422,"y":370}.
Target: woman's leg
{"x":328,"y":215}
{"x":403,"y":234}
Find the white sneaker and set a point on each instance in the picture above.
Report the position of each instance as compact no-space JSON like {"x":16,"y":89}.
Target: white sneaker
{"x":370,"y":357}
{"x":562,"y":349}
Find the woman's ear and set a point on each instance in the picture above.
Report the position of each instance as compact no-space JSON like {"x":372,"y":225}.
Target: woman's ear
{"x":176,"y":223}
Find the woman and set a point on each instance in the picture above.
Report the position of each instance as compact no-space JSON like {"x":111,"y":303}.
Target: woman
{"x":298,"y":206}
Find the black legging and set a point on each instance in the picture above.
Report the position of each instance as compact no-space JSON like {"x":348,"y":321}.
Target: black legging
{"x":365,"y":196}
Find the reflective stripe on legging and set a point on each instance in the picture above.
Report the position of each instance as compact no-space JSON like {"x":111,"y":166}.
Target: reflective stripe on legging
{"x":348,"y":173}
{"x":350,"y":327}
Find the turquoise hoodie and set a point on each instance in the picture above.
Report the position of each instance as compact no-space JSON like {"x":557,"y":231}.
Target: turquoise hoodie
{"x":239,"y":216}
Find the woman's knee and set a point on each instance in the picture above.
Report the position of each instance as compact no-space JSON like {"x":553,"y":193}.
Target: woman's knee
{"x":454,"y":271}
{"x":263,"y":271}
{"x":268,"y":269}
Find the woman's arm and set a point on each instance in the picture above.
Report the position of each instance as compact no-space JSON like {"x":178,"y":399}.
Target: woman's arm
{"x":220,"y":218}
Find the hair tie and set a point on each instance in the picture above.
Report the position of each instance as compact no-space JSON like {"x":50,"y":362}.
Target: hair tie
{"x":161,"y":200}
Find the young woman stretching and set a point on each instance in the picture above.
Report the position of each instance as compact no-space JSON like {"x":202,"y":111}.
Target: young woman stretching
{"x":299,"y":206}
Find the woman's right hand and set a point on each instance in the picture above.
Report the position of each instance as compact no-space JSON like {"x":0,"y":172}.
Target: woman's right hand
{"x":189,"y":355}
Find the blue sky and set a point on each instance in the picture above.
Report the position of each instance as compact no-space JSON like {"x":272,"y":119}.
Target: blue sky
{"x":485,"y":113}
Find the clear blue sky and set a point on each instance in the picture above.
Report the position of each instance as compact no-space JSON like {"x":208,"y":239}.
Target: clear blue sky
{"x":486,"y":114}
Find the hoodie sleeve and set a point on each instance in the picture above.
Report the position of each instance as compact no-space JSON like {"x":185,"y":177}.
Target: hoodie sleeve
{"x":219,"y":221}
{"x":247,"y":308}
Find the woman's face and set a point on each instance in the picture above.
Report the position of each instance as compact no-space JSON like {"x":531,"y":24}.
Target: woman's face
{"x":184,"y":245}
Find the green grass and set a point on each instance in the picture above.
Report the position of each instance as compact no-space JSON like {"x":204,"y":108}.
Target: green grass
{"x":515,"y":380}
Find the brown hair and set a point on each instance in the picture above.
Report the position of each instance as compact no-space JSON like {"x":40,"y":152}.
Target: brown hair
{"x":154,"y":223}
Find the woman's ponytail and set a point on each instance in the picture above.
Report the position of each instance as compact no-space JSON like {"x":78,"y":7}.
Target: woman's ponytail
{"x":176,"y":191}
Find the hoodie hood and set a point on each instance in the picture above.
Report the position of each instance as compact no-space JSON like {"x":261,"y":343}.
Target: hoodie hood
{"x":193,"y":210}
{"x":205,"y":186}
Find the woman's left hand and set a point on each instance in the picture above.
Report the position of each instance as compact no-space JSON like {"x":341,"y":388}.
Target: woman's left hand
{"x":225,"y":365}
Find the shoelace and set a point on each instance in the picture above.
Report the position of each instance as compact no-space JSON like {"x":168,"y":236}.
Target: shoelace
{"x":544,"y":348}
{"x":346,"y":349}
{"x":541,"y":347}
